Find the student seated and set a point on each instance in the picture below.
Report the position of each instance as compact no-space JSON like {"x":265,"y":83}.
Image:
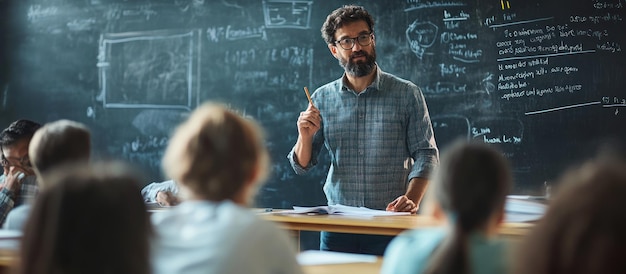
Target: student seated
{"x":219,"y":160}
{"x":584,"y":229}
{"x":55,"y":144}
{"x":470,"y":188}
{"x":88,"y":219}
{"x":18,"y":182}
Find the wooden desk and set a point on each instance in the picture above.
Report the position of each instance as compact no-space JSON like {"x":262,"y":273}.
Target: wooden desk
{"x":361,"y":268}
{"x":383,"y":225}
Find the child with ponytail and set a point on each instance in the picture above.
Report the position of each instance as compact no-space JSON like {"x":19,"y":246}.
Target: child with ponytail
{"x":470,"y":188}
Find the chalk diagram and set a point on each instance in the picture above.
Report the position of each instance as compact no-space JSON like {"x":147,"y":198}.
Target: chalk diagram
{"x":152,"y":69}
{"x":421,"y":36}
{"x":287,"y":14}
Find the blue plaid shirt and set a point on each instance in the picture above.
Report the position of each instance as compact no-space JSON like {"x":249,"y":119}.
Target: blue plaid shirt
{"x":8,"y":200}
{"x":370,"y":137}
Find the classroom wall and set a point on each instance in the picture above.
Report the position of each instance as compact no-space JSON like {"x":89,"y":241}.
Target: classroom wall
{"x":542,"y":80}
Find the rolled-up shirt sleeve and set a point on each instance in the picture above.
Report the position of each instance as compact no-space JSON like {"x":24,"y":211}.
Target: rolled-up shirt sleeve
{"x":422,"y":145}
{"x":318,"y":143}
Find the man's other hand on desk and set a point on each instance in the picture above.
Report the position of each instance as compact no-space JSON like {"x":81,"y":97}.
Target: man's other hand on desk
{"x":166,"y":198}
{"x":402,"y":204}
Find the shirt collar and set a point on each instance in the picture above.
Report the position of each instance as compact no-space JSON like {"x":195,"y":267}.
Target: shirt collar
{"x":375,"y":85}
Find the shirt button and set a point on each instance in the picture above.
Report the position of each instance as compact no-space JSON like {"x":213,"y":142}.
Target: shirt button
{"x":360,"y":152}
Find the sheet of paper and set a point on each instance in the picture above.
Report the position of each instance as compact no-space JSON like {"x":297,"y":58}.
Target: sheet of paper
{"x":520,"y":218}
{"x":318,"y":257}
{"x":344,"y":210}
{"x":523,"y":210}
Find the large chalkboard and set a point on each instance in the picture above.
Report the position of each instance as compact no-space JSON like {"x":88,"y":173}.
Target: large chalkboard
{"x":541,"y":79}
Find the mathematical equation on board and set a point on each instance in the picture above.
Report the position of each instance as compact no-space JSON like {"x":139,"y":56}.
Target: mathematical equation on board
{"x":533,"y":54}
{"x":613,"y":102}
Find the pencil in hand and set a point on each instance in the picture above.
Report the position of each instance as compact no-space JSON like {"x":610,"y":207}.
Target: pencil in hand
{"x":308,"y":96}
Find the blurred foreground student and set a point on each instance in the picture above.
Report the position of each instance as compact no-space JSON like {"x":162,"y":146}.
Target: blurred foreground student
{"x":55,"y":144}
{"x":91,"y":219}
{"x":470,"y":191}
{"x":218,"y":160}
{"x":584,"y":229}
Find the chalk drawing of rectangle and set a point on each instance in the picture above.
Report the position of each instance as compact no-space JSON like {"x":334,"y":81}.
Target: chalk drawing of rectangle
{"x":287,"y":14}
{"x":151,"y":69}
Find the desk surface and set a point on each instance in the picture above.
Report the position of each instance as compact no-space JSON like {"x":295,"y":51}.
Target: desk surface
{"x":383,"y":225}
{"x":361,"y":268}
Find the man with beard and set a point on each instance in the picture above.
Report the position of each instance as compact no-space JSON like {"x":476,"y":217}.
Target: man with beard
{"x":376,"y":128}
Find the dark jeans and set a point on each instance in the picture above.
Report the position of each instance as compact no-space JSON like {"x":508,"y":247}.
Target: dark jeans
{"x":354,"y":243}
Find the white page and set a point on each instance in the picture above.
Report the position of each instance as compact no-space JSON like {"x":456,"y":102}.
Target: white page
{"x":318,"y":257}
{"x":344,"y":210}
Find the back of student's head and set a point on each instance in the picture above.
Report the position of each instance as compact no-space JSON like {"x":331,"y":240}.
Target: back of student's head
{"x":470,"y":187}
{"x":91,"y":219}
{"x":215,"y":153}
{"x":583,"y":231}
{"x":59,"y":143}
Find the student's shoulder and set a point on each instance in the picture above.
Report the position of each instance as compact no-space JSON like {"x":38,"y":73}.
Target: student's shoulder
{"x":421,"y":236}
{"x":409,"y":251}
{"x":17,"y":217}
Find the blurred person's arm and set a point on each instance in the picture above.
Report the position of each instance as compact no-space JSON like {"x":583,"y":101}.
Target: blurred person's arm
{"x":165,"y":193}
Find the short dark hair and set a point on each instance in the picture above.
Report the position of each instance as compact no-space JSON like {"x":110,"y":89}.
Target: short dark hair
{"x":17,"y":131}
{"x":344,"y":15}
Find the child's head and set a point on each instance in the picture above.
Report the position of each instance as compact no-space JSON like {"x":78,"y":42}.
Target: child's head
{"x":89,"y":219}
{"x":471,"y":184}
{"x":583,"y":230}
{"x":216,"y":155}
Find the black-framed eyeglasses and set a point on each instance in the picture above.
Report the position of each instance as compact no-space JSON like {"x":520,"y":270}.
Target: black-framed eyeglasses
{"x":363,"y":40}
{"x":22,"y":162}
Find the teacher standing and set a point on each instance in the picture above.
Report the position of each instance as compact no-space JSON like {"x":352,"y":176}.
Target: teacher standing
{"x":375,"y":126}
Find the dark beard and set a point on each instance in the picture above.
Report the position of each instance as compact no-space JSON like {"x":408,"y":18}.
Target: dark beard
{"x":359,"y":68}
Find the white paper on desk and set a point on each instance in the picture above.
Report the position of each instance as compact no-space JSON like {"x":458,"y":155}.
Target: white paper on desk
{"x":344,"y":210}
{"x":319,"y":257}
{"x":520,"y":210}
{"x":10,"y":239}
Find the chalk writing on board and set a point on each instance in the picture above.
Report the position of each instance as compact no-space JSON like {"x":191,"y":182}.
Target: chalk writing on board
{"x":229,"y":33}
{"x":530,"y":50}
{"x":145,"y":11}
{"x":152,"y":69}
{"x":420,"y":4}
{"x":450,"y":127}
{"x":38,"y":11}
{"x":251,"y":67}
{"x":287,"y":14}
